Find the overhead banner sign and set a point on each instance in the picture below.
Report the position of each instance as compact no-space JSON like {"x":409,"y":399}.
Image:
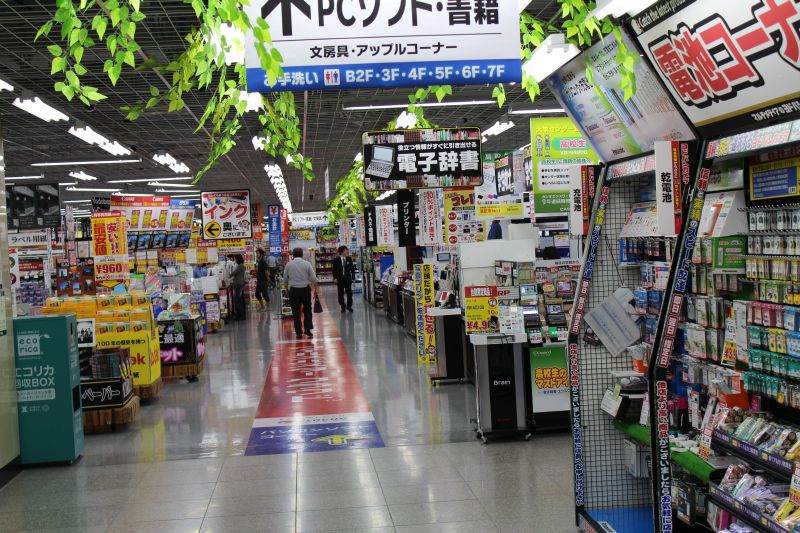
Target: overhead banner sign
{"x":616,"y":127}
{"x":557,"y":144}
{"x":406,"y":221}
{"x":430,"y":218}
{"x":181,"y":214}
{"x":310,"y":220}
{"x":33,"y":207}
{"x":385,"y":227}
{"x":371,"y":225}
{"x":226,"y":215}
{"x":332,"y":44}
{"x":143,"y":212}
{"x":274,"y":227}
{"x":730,"y":66}
{"x":413,"y":159}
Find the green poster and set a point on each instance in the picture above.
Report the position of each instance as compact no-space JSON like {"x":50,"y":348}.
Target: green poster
{"x":549,"y":379}
{"x":556,"y":144}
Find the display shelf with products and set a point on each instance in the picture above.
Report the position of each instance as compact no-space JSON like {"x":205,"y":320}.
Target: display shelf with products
{"x":323,"y":263}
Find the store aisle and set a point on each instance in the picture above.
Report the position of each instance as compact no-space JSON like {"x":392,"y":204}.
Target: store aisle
{"x":181,"y":466}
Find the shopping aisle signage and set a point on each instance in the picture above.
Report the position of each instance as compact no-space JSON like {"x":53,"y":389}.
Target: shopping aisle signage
{"x":481,"y":309}
{"x":284,"y":232}
{"x":412,"y":159}
{"x":583,"y":180}
{"x":371,"y":225}
{"x":672,"y":171}
{"x":274,"y":228}
{"x":361,"y":238}
{"x":257,"y":222}
{"x":618,"y":127}
{"x":406,"y":221}
{"x":772,"y":180}
{"x":312,"y":399}
{"x":108,"y":234}
{"x":226,"y":215}
{"x":143,"y":212}
{"x":385,"y":225}
{"x":557,"y":144}
{"x":181,"y":214}
{"x":731,"y":65}
{"x":549,"y":379}
{"x":461,"y":224}
{"x":489,"y":202}
{"x":424,"y":299}
{"x":332,"y":44}
{"x":430,"y":218}
{"x":310,"y":220}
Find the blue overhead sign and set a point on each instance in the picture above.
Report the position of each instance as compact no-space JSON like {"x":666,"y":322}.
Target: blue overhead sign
{"x":343,"y":44}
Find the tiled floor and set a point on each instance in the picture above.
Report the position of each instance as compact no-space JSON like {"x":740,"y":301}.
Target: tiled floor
{"x":180,"y":468}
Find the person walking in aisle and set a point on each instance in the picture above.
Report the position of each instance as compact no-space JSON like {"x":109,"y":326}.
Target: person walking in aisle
{"x":301,"y":280}
{"x":262,"y":280}
{"x":239,"y":282}
{"x":272,"y":265}
{"x":344,"y":272}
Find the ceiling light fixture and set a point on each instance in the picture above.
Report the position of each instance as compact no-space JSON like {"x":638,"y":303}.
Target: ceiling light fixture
{"x":76,"y":189}
{"x":385,"y":195}
{"x":359,"y":157}
{"x":618,"y":8}
{"x":5,"y":86}
{"x":184,"y":190}
{"x":533,"y":111}
{"x":67,"y":183}
{"x":175,"y":185}
{"x":90,"y":136}
{"x":258,"y":142}
{"x":35,"y":106}
{"x":12,"y":178}
{"x":406,"y":120}
{"x":178,"y":167}
{"x":145,"y":180}
{"x":446,"y":103}
{"x":255,"y":102}
{"x":90,"y":162}
{"x":552,"y":54}
{"x":76,"y":201}
{"x":234,"y":43}
{"x":185,"y":196}
{"x":497,"y":128}
{"x":276,"y":178}
{"x":81,"y":175}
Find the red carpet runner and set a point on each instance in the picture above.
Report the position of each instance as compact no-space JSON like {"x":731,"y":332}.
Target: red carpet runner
{"x":312,"y":399}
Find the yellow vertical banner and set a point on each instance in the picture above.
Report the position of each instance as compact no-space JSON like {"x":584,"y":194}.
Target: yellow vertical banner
{"x":424,"y":297}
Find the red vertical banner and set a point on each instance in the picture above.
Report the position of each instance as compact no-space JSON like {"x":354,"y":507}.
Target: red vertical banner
{"x":285,"y":233}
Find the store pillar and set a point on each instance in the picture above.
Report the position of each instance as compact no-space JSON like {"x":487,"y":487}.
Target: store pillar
{"x":9,"y":427}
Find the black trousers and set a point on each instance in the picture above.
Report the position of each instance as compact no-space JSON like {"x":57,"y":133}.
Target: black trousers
{"x":240,"y":304}
{"x":261,"y":291}
{"x":301,"y":297}
{"x":345,"y":287}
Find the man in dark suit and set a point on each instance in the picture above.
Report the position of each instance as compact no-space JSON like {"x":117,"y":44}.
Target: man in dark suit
{"x":344,"y":272}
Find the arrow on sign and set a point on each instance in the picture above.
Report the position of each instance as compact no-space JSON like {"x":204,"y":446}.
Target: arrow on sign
{"x":212,"y":229}
{"x":286,"y":11}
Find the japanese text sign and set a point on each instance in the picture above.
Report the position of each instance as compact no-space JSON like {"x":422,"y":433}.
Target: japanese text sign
{"x":144,"y":212}
{"x":406,"y":221}
{"x":430,"y":218}
{"x":385,"y":225}
{"x":729,"y":65}
{"x":371,"y":226}
{"x":315,"y":219}
{"x":274,"y":228}
{"x":617,"y":127}
{"x":481,"y":309}
{"x":411,"y":159}
{"x":108,"y":234}
{"x":256,"y":221}
{"x":461,"y":223}
{"x":341,"y":44}
{"x":424,"y":299}
{"x":226,"y":215}
{"x":181,"y":214}
{"x":556,"y":144}
{"x":284,"y":232}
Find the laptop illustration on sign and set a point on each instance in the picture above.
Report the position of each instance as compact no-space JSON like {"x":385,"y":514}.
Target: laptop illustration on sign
{"x":382,"y":162}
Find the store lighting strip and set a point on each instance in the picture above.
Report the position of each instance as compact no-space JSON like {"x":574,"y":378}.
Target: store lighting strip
{"x":175,"y":185}
{"x":13,"y":178}
{"x":552,"y":54}
{"x":36,"y":107}
{"x":184,"y":190}
{"x":90,"y":136}
{"x":385,"y":195}
{"x":81,"y":175}
{"x":531,"y":111}
{"x":445,"y":103}
{"x":146,"y":180}
{"x":279,"y":184}
{"x":178,"y":167}
{"x":90,"y":162}
{"x":76,"y":189}
{"x":5,"y":86}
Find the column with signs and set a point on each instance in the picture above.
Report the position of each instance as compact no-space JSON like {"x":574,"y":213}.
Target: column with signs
{"x":397,"y":43}
{"x":226,"y":215}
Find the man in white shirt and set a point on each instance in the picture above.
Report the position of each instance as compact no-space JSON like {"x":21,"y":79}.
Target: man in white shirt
{"x":301,"y":280}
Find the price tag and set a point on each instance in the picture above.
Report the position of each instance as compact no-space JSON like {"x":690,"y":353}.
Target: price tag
{"x":794,"y":487}
{"x":705,"y":442}
{"x":694,"y":408}
{"x":644,"y":416}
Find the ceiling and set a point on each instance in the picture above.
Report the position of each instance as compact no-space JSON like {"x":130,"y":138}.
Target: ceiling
{"x":331,"y":135}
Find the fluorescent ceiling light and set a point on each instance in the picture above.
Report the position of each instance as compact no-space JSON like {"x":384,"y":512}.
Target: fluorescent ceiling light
{"x":552,"y":54}
{"x":81,"y":175}
{"x":145,"y":180}
{"x":406,"y":120}
{"x":5,"y":86}
{"x":76,"y":201}
{"x":175,"y":185}
{"x":115,"y":148}
{"x":497,"y":128}
{"x":531,"y":111}
{"x":87,"y":134}
{"x":167,"y":160}
{"x":131,"y":194}
{"x":258,"y":142}
{"x":186,"y":191}
{"x":618,"y":8}
{"x":76,"y":189}
{"x":254,"y":102}
{"x":359,"y":157}
{"x":234,"y":43}
{"x":445,"y":103}
{"x":35,"y":106}
{"x":67,"y":183}
{"x":91,"y":162}
{"x":12,"y":178}
{"x":385,"y":195}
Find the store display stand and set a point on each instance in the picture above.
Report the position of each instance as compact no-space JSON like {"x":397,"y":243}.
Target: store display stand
{"x":107,"y":420}
{"x":148,"y":392}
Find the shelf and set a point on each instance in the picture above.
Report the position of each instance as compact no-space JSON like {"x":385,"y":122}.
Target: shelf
{"x":752,"y":516}
{"x":691,"y":462}
{"x":776,"y":464}
{"x":623,"y":519}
